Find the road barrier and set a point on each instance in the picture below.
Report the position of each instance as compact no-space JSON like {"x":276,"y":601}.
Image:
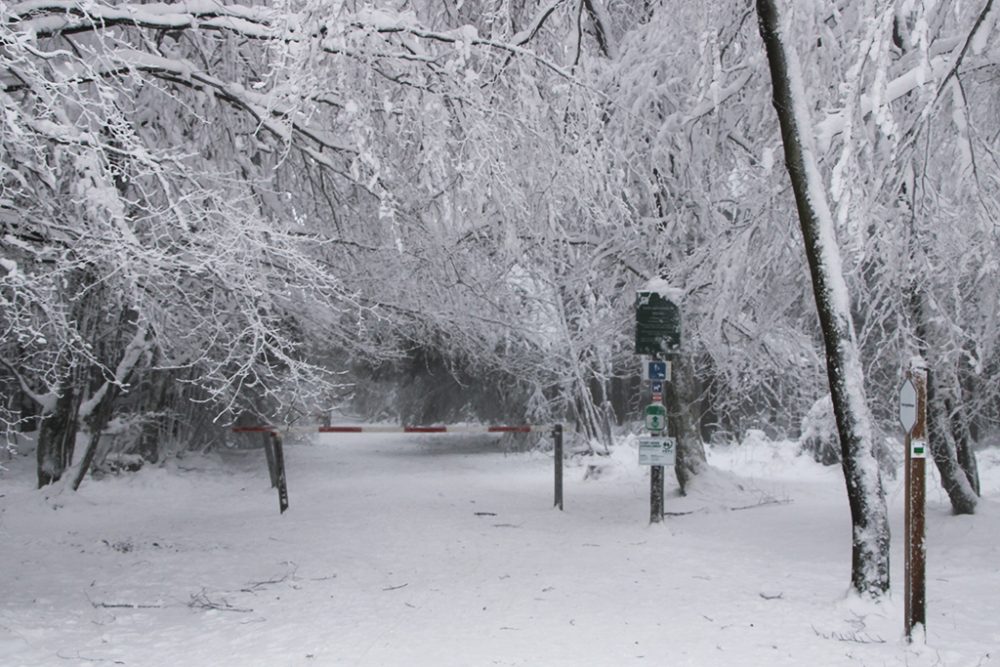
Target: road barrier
{"x":274,"y":449}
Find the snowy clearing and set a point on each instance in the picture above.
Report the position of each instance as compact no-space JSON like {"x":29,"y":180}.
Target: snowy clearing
{"x":443,"y":550}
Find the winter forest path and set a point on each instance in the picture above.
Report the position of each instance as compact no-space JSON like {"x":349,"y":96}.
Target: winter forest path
{"x":441,"y":550}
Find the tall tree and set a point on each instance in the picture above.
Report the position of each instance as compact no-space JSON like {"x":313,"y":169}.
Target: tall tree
{"x":869,"y":518}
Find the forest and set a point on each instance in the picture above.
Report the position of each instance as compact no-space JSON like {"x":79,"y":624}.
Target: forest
{"x":218,"y":213}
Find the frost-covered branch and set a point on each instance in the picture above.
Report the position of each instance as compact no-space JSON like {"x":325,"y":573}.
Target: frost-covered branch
{"x":48,"y":19}
{"x":45,"y":401}
{"x":139,"y":345}
{"x":959,"y":57}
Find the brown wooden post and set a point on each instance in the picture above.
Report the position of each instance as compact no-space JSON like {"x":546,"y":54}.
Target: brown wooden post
{"x":915,"y":596}
{"x":557,"y":454}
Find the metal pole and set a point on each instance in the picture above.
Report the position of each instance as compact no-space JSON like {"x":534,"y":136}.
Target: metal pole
{"x":915,"y":594}
{"x":557,"y":440}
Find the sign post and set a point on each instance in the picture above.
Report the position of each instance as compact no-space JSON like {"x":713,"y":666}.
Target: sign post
{"x":656,"y":422}
{"x":279,"y":467}
{"x":658,"y":334}
{"x":913,"y":417}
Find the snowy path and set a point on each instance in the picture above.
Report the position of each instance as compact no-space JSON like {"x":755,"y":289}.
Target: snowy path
{"x":404,"y":550}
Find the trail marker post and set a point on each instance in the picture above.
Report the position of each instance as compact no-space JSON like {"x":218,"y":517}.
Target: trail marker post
{"x":272,"y":468}
{"x":557,"y":453}
{"x":279,"y":466}
{"x":913,"y":417}
{"x":657,"y":334}
{"x":656,"y":421}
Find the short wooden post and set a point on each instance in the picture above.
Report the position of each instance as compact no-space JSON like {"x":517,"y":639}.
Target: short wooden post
{"x":279,"y":466}
{"x":272,"y":471}
{"x":557,"y":440}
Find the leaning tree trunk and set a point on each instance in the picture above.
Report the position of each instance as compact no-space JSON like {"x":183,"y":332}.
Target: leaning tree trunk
{"x":964,"y":442}
{"x":944,"y":447}
{"x":870,"y":543}
{"x":941,"y":440}
{"x":99,"y":422}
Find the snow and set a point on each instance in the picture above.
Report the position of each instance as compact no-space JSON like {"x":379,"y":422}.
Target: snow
{"x":387,"y":20}
{"x":981,"y":38}
{"x":443,"y":550}
{"x":664,"y":289}
{"x":917,"y":77}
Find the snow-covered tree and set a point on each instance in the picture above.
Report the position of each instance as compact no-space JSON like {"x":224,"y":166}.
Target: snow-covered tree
{"x":870,"y":544}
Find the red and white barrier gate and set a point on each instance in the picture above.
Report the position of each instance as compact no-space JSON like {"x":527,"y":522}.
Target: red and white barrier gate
{"x":276,"y":459}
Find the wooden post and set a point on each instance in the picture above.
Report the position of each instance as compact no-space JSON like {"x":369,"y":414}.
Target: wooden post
{"x":557,"y":440}
{"x":915,"y":596}
{"x":279,"y":466}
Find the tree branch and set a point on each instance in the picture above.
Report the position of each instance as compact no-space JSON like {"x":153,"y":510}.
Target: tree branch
{"x":953,"y":70}
{"x":46,"y":401}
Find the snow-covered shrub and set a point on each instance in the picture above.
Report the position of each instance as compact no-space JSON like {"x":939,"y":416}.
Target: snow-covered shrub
{"x":819,"y":437}
{"x":115,"y":463}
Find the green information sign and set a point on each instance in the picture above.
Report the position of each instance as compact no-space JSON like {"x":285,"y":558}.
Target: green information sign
{"x":657,"y":325}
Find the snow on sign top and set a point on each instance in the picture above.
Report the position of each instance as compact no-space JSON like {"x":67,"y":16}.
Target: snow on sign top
{"x":908,"y":405}
{"x":664,"y":289}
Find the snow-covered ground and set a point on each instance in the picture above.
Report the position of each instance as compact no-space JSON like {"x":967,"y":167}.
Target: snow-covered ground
{"x":442,"y":550}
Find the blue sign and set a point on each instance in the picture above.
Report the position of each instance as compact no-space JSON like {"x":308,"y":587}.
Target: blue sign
{"x":658,"y":370}
{"x":656,"y":386}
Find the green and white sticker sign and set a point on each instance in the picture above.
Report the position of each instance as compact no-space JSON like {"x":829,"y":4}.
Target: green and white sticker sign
{"x":655,"y":418}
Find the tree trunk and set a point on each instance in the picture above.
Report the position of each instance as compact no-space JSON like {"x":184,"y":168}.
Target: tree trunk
{"x":681,"y":399}
{"x":98,"y":423}
{"x":57,"y":435}
{"x":963,"y":446}
{"x":941,"y":437}
{"x":155,"y":413}
{"x":29,"y":413}
{"x":870,"y":543}
{"x":944,"y":448}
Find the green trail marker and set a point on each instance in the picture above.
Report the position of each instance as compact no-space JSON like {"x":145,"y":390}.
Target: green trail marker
{"x":656,"y":418}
